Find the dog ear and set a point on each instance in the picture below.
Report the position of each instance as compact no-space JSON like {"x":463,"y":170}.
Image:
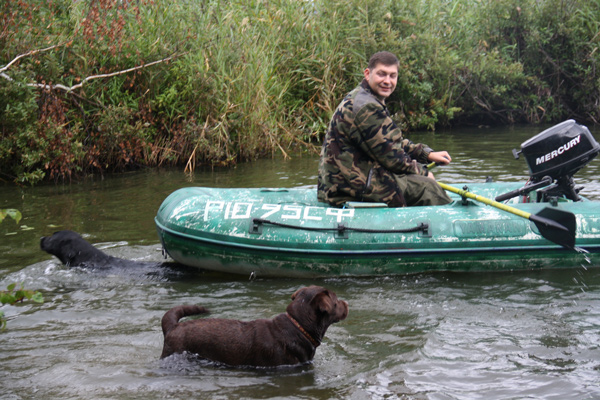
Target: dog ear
{"x":323,"y":302}
{"x":295,"y":294}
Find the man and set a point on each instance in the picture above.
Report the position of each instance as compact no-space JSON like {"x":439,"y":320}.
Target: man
{"x":364,"y":156}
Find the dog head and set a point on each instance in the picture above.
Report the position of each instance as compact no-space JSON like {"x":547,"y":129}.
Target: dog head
{"x":70,"y":248}
{"x":317,"y":306}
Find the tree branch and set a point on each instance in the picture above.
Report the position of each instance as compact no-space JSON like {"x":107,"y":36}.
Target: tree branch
{"x":7,"y":66}
{"x":79,"y":85}
{"x":125,"y":71}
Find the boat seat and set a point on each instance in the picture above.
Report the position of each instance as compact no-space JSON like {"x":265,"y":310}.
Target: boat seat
{"x":364,"y":204}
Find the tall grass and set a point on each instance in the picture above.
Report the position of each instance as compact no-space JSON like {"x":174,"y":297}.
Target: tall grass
{"x":247,"y":79}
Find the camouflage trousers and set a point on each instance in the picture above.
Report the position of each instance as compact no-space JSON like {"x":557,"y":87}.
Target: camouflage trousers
{"x":421,"y":191}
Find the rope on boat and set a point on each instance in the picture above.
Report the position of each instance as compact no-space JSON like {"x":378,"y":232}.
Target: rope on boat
{"x":340,"y":229}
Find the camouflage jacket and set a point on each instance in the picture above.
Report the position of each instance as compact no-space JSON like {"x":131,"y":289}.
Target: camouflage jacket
{"x":363,"y":150}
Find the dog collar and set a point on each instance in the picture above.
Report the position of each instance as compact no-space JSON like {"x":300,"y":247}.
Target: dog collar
{"x":314,"y":342}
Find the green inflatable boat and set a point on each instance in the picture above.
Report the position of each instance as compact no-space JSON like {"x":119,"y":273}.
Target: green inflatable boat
{"x":273,"y":232}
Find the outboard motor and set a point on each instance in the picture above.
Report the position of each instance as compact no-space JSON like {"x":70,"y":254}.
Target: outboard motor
{"x":553,"y":157}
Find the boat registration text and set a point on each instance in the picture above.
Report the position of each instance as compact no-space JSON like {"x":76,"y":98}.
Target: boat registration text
{"x":244,"y":210}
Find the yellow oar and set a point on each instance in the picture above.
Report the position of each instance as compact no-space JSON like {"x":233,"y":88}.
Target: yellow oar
{"x":556,"y":225}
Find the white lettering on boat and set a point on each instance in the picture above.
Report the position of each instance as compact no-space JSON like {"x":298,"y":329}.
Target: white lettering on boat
{"x":273,"y":208}
{"x":307,"y":211}
{"x":211,"y":205}
{"x":237,"y":212}
{"x":555,"y":153}
{"x":341,"y":213}
{"x":297,"y":212}
{"x":215,"y":209}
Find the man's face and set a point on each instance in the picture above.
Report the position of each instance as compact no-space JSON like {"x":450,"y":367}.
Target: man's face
{"x":382,"y":79}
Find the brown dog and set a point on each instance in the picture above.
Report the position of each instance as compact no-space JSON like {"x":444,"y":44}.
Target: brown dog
{"x":288,"y":339}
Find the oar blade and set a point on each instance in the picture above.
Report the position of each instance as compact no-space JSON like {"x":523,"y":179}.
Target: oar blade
{"x":556,"y":225}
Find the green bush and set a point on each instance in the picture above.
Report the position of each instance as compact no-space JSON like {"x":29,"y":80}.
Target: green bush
{"x":17,"y":294}
{"x":244,"y":79}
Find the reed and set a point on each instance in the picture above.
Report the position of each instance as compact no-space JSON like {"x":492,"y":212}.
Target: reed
{"x":236,"y":80}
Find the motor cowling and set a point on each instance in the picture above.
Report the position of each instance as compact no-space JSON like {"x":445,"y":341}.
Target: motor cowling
{"x":559,"y":151}
{"x":553,"y":157}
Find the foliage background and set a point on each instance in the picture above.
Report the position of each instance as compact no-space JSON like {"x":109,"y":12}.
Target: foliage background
{"x":242,"y":79}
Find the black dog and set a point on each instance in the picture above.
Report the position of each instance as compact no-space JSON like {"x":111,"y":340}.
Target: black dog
{"x":288,"y":339}
{"x":74,"y":251}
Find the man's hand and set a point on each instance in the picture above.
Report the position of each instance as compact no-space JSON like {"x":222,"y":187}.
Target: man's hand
{"x":440,"y":157}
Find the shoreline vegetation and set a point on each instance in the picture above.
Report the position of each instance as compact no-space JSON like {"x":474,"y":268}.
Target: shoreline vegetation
{"x":94,"y":86}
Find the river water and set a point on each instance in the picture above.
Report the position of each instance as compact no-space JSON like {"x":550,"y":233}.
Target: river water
{"x":519,"y":335}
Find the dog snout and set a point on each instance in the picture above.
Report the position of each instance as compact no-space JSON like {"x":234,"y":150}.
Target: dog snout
{"x":341,"y":310}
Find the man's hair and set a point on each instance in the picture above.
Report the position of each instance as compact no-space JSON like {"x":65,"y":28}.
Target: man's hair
{"x":383,"y":57}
